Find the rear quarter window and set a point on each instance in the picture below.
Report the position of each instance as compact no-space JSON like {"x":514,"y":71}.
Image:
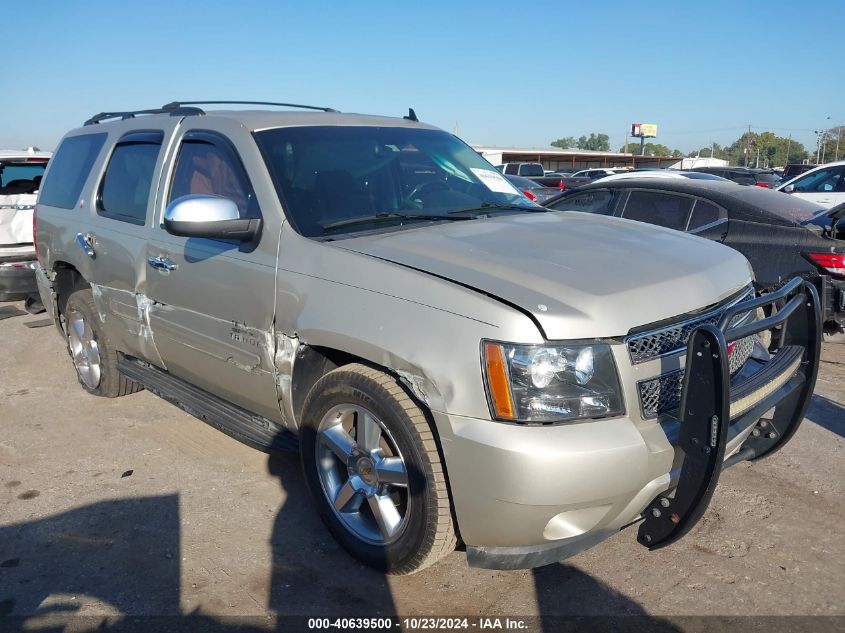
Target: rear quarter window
{"x":599,"y":201}
{"x":69,"y":170}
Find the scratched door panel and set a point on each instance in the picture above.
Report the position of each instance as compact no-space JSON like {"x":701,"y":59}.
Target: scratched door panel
{"x":212,"y":319}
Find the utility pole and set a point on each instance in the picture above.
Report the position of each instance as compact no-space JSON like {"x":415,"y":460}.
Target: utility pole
{"x":838,"y":135}
{"x":712,"y":149}
{"x":747,"y":143}
{"x":788,"y":143}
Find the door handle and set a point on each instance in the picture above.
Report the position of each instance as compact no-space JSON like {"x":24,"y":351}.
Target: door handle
{"x":86,"y":243}
{"x":162,"y":264}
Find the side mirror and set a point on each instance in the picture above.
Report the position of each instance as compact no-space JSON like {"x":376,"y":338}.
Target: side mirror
{"x":212,"y":217}
{"x":788,"y":189}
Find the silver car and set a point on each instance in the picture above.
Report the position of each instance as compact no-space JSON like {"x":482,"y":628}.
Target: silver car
{"x":454,"y":363}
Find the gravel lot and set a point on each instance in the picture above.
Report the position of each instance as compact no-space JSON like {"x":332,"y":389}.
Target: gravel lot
{"x":131,"y":506}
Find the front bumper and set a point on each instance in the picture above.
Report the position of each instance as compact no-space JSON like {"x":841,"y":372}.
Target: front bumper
{"x":526,"y":496}
{"x":17,"y":280}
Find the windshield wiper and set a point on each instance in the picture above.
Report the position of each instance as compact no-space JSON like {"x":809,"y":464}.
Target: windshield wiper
{"x":485,"y":207}
{"x":387,"y":217}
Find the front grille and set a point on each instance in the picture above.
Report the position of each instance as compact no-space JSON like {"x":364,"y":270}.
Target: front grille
{"x":673,"y":338}
{"x":662,"y":395}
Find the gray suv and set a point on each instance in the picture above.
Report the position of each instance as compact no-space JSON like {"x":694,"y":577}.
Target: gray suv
{"x":454,"y":363}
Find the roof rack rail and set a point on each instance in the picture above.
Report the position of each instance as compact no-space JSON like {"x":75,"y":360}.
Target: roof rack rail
{"x":179,"y":104}
{"x":131,"y":114}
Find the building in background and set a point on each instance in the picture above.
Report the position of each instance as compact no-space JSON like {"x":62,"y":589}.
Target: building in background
{"x":571,"y":159}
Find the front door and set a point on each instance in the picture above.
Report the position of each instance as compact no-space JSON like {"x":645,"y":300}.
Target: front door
{"x":213,"y":301}
{"x":825,"y":187}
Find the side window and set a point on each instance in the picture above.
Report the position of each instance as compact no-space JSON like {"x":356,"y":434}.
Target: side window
{"x":742,"y":178}
{"x":598,"y":201}
{"x":207,"y":164}
{"x":822,"y":181}
{"x":704,"y":213}
{"x":69,"y":169}
{"x":125,"y":189}
{"x":663,"y":209}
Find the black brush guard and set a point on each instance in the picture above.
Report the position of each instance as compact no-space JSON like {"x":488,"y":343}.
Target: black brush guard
{"x":705,"y":409}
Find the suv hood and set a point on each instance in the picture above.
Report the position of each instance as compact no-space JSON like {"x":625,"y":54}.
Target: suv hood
{"x":580,"y":275}
{"x":16,"y":219}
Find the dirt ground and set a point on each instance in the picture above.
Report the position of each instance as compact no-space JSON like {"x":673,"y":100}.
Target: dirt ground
{"x":131,"y":506}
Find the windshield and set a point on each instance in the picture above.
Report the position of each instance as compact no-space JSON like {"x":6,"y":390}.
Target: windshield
{"x":338,"y":179}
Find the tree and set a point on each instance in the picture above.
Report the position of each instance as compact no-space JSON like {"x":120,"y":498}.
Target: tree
{"x":711,"y":151}
{"x":596,"y":142}
{"x":833,"y":144}
{"x":765,"y":149}
{"x":652,"y":149}
{"x":564,"y":143}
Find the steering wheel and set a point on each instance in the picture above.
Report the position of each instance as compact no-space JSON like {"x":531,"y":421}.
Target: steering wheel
{"x":427,"y":187}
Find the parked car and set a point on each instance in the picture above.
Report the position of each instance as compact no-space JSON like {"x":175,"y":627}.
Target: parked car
{"x":20,"y":177}
{"x":796,"y":169}
{"x":765,"y":178}
{"x":594,"y":174}
{"x":660,"y":173}
{"x":523,"y":169}
{"x":533,"y":190}
{"x":824,"y":185}
{"x":452,"y":361}
{"x":782,"y":237}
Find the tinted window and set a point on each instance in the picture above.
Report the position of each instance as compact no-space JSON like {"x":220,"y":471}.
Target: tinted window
{"x":208,"y":165}
{"x":742,"y":177}
{"x":598,"y":201}
{"x":524,"y":183}
{"x":654,"y":207}
{"x":512,"y":168}
{"x":531,"y":169}
{"x":125,"y":190}
{"x":18,"y":178}
{"x":703,"y":214}
{"x":342,"y":179}
{"x":822,"y":181}
{"x":69,"y":169}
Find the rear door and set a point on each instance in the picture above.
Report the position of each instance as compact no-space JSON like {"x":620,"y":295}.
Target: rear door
{"x":212,"y":312}
{"x":120,"y":210}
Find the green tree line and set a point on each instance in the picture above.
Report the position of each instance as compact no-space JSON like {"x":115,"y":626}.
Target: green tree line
{"x":763,"y":149}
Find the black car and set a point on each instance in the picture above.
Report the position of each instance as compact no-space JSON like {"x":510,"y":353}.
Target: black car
{"x":765,"y":178}
{"x":781,"y":236}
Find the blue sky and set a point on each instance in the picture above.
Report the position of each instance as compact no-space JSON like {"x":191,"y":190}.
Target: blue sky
{"x":507,"y":73}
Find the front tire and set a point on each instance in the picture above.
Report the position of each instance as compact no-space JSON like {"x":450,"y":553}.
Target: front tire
{"x":373,"y":469}
{"x":91,"y":352}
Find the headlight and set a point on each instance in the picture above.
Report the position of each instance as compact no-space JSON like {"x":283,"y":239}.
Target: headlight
{"x":550,"y":383}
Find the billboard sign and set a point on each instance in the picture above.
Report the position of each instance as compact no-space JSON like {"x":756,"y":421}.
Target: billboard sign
{"x":644,"y":130}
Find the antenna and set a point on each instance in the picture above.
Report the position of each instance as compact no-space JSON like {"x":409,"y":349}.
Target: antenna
{"x":411,"y":116}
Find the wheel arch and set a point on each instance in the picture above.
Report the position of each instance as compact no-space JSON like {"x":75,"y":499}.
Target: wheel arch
{"x":312,"y":362}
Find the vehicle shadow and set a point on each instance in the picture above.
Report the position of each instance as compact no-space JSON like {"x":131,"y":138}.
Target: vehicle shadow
{"x":571,"y":600}
{"x":311,"y":574}
{"x":125,"y":554}
{"x":828,"y":414}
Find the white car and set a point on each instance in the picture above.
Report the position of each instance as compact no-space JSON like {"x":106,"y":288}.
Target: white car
{"x":660,"y":173}
{"x":594,"y":174}
{"x":824,"y":185}
{"x":20,"y":178}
